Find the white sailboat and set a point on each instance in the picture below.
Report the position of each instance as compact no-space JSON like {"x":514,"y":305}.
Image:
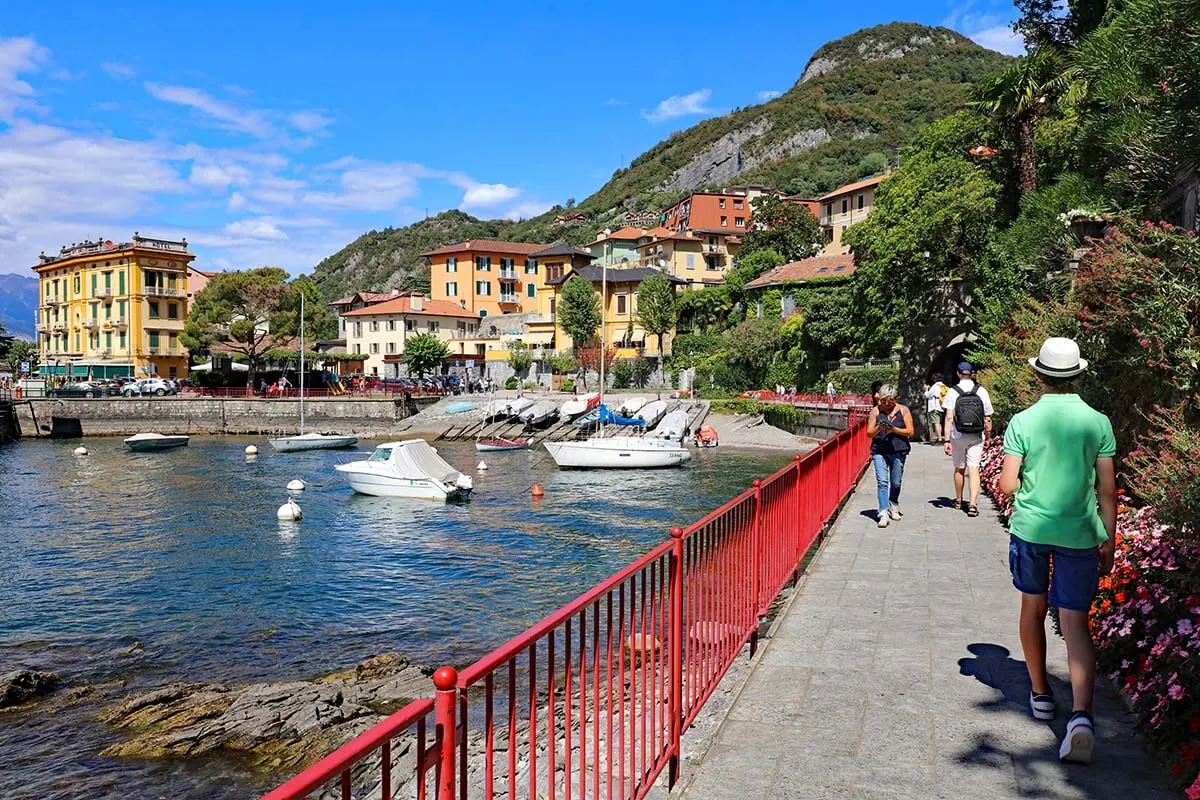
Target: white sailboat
{"x":615,"y":452}
{"x":309,"y":441}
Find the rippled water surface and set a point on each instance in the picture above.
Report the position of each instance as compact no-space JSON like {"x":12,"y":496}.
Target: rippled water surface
{"x":181,"y":552}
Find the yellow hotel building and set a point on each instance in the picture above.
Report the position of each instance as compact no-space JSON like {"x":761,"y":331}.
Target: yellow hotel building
{"x":108,"y":310}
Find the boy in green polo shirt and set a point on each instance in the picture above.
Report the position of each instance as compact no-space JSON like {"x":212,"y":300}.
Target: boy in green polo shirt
{"x":1058,"y":467}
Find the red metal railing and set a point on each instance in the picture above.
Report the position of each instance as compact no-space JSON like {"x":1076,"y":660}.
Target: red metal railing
{"x":241,"y":392}
{"x":592,"y":701}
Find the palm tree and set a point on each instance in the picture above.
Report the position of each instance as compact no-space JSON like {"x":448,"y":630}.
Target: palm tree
{"x":1020,"y":95}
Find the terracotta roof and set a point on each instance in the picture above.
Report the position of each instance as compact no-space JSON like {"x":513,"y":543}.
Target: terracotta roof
{"x":660,"y":232}
{"x":615,"y":275}
{"x":810,"y":269}
{"x":561,"y":249}
{"x":369,"y":298}
{"x":720,"y":231}
{"x":623,"y":233}
{"x":854,"y":187}
{"x":403,"y":306}
{"x":487,"y":246}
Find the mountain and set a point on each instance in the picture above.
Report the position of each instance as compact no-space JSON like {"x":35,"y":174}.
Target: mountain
{"x":858,"y":101}
{"x":18,"y":303}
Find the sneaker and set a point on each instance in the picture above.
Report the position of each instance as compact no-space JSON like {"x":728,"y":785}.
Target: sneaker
{"x":1042,"y":705}
{"x":894,"y":512}
{"x":1079,"y":740}
{"x":883,"y":519}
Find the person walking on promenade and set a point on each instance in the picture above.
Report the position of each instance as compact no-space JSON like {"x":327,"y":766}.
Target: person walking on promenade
{"x":935,"y":413}
{"x":968,"y":425}
{"x":1058,"y":467}
{"x":889,"y":425}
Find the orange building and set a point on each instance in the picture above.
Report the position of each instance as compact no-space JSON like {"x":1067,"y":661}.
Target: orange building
{"x":845,"y":206}
{"x":486,"y":277}
{"x":727,"y":210}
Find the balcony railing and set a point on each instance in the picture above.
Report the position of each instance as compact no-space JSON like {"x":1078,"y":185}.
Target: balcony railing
{"x":42,"y":327}
{"x":103,"y":291}
{"x":53,"y":300}
{"x":102,"y":353}
{"x":162,"y":291}
{"x":91,"y":324}
{"x":508,"y":274}
{"x":58,"y":326}
{"x":509,"y":298}
{"x":117,"y":322}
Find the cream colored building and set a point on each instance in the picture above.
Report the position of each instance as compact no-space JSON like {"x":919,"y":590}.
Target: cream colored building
{"x":379,"y":331}
{"x":843,"y":207}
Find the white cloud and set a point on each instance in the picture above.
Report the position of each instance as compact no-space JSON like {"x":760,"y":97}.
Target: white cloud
{"x":1000,"y":38}
{"x":612,"y":101}
{"x":237,"y":202}
{"x":309,"y":121}
{"x":767,"y":94}
{"x":680,"y":105}
{"x":530,"y":208}
{"x":118,"y":71}
{"x":259,"y":229}
{"x":212,"y":176}
{"x":486,"y":195}
{"x":368,"y":186}
{"x":225,"y":114}
{"x":17,"y":56}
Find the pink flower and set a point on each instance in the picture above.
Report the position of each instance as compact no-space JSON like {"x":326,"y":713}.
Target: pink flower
{"x":1175,"y":691}
{"x":1185,"y":626}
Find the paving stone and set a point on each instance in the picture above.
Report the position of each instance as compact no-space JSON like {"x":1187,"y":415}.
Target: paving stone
{"x":897,"y":674}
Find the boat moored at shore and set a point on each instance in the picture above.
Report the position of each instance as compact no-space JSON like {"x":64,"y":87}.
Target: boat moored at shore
{"x":145,"y":442}
{"x":409,"y":468}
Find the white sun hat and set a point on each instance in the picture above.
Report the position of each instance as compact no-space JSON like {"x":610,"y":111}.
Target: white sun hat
{"x":1059,"y":358}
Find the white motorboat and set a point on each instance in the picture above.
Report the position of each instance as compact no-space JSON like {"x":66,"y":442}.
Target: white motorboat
{"x":580,"y":405}
{"x":539,"y":412}
{"x":652,"y":412}
{"x":312,"y":441}
{"x":631,"y":406}
{"x":144,"y":442}
{"x":308,"y":441}
{"x":514,"y":408}
{"x":618,"y":452}
{"x":673,"y":426}
{"x":407,"y":469}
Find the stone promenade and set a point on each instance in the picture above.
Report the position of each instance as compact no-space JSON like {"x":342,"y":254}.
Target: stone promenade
{"x":897,"y":673}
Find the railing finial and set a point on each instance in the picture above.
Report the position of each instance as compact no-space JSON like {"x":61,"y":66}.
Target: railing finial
{"x":445,"y":678}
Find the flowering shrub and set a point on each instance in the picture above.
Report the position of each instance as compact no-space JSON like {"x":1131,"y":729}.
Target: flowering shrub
{"x":1146,"y":624}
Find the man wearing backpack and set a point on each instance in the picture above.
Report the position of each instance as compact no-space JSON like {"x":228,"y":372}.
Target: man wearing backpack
{"x":968,"y":425}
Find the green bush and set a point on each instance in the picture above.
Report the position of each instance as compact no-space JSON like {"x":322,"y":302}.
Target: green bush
{"x":567,"y":385}
{"x":852,"y":380}
{"x":782,"y":416}
{"x":622,"y":374}
{"x":512,"y":382}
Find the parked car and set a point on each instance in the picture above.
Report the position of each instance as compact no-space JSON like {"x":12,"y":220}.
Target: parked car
{"x":82,"y":389}
{"x":155,"y":386}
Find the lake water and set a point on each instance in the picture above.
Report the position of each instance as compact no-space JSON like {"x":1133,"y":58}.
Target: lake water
{"x":181,"y":551}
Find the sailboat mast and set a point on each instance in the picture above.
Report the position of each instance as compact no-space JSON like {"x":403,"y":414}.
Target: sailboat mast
{"x":603,"y":332}
{"x":302,"y":362}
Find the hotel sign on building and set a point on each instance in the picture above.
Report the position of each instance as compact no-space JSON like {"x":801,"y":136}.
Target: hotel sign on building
{"x":109,"y":309}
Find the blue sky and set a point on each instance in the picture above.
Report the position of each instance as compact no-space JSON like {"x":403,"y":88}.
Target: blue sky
{"x":275,"y":132}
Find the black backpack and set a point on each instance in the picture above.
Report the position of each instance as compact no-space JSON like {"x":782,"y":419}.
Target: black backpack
{"x":968,"y":411}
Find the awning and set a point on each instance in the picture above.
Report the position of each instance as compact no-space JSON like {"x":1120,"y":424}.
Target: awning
{"x":207,"y":366}
{"x":538,"y":337}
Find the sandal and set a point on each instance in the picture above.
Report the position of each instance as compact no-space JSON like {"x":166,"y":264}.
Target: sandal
{"x":972,"y":511}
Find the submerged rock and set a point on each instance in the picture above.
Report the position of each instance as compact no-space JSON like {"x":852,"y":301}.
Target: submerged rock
{"x":23,"y":685}
{"x":278,"y":725}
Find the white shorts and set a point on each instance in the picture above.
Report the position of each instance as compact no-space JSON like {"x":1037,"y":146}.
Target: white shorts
{"x":967,"y":450}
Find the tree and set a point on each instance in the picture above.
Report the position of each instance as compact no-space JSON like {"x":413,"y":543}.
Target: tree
{"x":748,"y":268}
{"x":1055,"y":24}
{"x":704,"y":309}
{"x":6,"y":341}
{"x":657,"y":311}
{"x":750,"y":349}
{"x":319,"y":320}
{"x":424,"y":353}
{"x":247,"y":312}
{"x":519,"y":358}
{"x":21,"y":351}
{"x":579,"y":310}
{"x":788,"y":228}
{"x":1017,"y":97}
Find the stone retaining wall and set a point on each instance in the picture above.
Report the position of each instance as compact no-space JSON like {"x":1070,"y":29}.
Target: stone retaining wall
{"x":125,"y":416}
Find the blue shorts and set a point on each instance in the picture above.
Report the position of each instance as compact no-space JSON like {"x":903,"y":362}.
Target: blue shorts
{"x":1076,"y":572}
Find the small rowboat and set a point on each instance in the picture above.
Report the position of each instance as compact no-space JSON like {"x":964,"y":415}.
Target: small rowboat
{"x":497,"y":444}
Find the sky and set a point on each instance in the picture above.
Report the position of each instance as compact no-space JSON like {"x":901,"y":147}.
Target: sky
{"x":276,"y":132}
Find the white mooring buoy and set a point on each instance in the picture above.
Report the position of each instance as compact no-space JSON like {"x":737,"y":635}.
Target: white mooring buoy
{"x":289,"y":511}
{"x":81,"y":451}
{"x":482,"y":465}
{"x":251,"y":450}
{"x":296,"y":485}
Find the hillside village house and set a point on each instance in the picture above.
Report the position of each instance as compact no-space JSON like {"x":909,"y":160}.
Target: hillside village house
{"x":722,"y":210}
{"x":800,"y":283}
{"x":486,"y":277}
{"x":613,"y":248}
{"x":699,"y":257}
{"x":111,"y":309}
{"x":379,"y":331}
{"x":845,"y":206}
{"x":344,"y":305}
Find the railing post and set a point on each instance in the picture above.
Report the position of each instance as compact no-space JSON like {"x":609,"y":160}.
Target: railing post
{"x":756,"y":563}
{"x":798,"y":532}
{"x":445,"y":680}
{"x":675,"y":700}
